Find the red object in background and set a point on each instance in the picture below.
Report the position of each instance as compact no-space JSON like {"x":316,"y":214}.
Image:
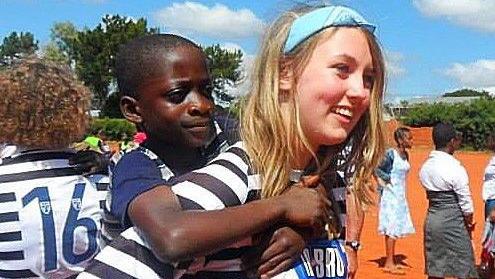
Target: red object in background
{"x":139,"y":137}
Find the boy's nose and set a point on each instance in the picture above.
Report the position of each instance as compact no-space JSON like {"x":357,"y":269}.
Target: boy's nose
{"x":200,"y":105}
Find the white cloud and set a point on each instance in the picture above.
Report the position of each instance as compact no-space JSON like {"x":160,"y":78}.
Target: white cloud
{"x":242,"y":87}
{"x":218,"y":21}
{"x":393,"y":61}
{"x":476,"y":14}
{"x":490,"y":89}
{"x":478,"y":74}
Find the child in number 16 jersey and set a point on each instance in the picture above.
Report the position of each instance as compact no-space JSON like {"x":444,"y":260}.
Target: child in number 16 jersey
{"x":49,"y":212}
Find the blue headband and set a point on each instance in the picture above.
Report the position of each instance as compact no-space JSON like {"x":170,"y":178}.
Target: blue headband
{"x":311,"y":23}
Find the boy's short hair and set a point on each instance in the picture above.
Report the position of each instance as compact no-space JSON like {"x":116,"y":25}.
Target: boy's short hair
{"x":442,"y":134}
{"x":42,"y":105}
{"x":137,"y":60}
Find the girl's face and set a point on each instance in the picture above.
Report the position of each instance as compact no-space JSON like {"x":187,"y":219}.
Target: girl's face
{"x":334,"y":88}
{"x":407,"y":140}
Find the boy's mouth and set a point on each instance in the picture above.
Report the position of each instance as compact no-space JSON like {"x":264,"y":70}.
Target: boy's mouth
{"x":198,"y":126}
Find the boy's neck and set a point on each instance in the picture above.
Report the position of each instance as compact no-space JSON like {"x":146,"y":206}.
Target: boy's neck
{"x":178,"y":158}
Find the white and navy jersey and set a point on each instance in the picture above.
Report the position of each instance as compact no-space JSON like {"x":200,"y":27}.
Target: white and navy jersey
{"x":320,"y":259}
{"x":50,"y":216}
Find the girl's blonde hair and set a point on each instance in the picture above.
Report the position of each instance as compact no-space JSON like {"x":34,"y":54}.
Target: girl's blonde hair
{"x":273,"y":137}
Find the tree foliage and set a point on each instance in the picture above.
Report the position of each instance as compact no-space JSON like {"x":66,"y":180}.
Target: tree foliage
{"x":95,"y":50}
{"x":475,"y":119}
{"x":16,"y":46}
{"x":467,"y":93}
{"x":225,"y":69}
{"x":64,"y":35}
{"x":53,"y":53}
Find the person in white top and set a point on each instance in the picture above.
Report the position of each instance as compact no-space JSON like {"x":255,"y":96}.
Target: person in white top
{"x":449,"y":222}
{"x":488,"y":192}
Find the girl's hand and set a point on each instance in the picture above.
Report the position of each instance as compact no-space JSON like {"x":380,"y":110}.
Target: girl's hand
{"x":492,"y":215}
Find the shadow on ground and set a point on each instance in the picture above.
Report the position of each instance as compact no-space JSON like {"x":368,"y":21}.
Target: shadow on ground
{"x":399,"y":259}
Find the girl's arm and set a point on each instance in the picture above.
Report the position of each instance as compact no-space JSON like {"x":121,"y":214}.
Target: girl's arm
{"x":383,"y":170}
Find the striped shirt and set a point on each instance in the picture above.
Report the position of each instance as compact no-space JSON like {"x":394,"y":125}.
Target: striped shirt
{"x":50,"y":215}
{"x":138,"y":170}
{"x":226,"y":181}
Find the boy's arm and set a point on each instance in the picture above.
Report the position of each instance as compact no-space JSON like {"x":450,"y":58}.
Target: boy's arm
{"x":176,"y":234}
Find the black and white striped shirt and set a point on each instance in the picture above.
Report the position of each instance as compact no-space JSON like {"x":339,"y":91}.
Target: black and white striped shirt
{"x":226,"y":181}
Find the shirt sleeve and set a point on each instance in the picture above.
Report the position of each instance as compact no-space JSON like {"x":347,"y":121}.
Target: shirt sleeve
{"x":461,"y":187}
{"x":222,"y":183}
{"x":133,"y":175}
{"x":385,"y":167}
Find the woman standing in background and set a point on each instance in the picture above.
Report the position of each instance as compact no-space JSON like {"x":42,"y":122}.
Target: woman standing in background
{"x":394,"y":219}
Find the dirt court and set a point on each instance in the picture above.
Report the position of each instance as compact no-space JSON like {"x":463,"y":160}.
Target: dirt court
{"x":409,"y":250}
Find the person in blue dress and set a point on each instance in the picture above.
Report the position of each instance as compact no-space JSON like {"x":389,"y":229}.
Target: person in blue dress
{"x":394,"y":219}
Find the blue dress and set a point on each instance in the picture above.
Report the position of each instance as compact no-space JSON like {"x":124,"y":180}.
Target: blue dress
{"x":394,"y":219}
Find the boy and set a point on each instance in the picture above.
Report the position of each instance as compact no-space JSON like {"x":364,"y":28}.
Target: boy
{"x":172,"y":104}
{"x":49,"y":212}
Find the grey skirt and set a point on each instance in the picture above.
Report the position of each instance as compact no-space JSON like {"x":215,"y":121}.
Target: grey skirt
{"x":448,"y":249}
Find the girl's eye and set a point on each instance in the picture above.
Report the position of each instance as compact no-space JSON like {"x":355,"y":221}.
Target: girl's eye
{"x":176,"y":96}
{"x":368,"y":81}
{"x":343,"y":68}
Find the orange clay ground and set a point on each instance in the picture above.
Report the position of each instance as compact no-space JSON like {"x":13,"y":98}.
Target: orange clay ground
{"x":409,"y":250}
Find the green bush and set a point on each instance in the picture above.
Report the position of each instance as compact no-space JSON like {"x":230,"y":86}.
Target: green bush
{"x":112,"y":127}
{"x":475,"y":119}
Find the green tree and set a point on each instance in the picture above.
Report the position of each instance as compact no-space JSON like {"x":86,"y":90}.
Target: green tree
{"x":64,"y":35}
{"x":475,"y":119}
{"x":95,"y":51}
{"x":466,"y":93}
{"x":225,"y":71}
{"x":16,"y":46}
{"x":53,"y":53}
{"x":111,"y":108}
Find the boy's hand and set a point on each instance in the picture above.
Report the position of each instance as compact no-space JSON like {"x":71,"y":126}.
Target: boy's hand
{"x":274,"y":251}
{"x":90,"y":162}
{"x":284,"y":249}
{"x":304,"y":206}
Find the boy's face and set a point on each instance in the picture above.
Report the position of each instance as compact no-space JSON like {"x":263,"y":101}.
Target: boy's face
{"x":176,"y":105}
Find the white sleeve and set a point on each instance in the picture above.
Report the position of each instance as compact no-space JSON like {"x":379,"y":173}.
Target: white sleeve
{"x":461,"y":188}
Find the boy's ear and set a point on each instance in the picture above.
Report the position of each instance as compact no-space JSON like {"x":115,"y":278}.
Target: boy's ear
{"x":286,"y":77}
{"x":130,"y":109}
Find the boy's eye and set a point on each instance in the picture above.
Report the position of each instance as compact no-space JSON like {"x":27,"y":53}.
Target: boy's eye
{"x":176,"y":96}
{"x":208,"y":91}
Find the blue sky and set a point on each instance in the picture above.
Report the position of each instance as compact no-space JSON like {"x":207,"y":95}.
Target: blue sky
{"x":431,"y":46}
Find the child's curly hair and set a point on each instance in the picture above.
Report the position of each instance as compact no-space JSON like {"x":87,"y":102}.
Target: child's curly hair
{"x":42,"y":105}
